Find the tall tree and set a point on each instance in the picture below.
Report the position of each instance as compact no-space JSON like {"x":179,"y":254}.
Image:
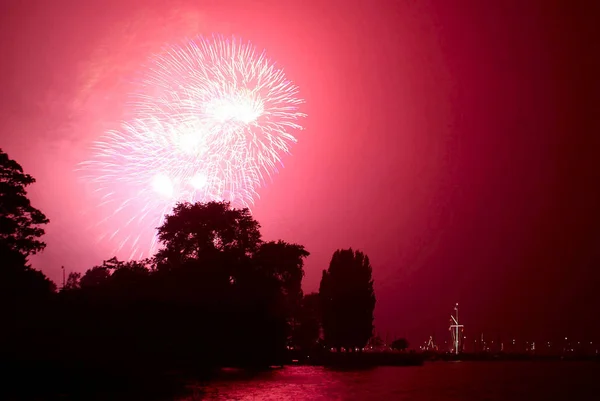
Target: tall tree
{"x":285,"y":263}
{"x":203,"y":230}
{"x":20,"y":232}
{"x":347,"y":300}
{"x":212,"y":260}
{"x":24,"y":291}
{"x":20,"y":223}
{"x":306,"y":333}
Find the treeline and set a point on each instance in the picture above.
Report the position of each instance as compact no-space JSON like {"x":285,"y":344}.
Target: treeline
{"x":214,"y":295}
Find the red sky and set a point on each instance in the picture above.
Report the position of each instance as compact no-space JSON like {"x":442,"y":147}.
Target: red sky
{"x":455,"y":142}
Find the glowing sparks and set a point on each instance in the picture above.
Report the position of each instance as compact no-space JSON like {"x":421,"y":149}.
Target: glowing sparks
{"x":211,"y":121}
{"x":162,"y":185}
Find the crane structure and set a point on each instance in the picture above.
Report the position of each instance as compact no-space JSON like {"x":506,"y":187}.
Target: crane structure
{"x":456,"y":329}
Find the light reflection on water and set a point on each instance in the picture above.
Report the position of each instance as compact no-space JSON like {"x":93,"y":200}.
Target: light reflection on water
{"x":464,"y":381}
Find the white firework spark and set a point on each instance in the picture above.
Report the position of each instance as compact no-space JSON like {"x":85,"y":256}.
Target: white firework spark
{"x":211,"y":121}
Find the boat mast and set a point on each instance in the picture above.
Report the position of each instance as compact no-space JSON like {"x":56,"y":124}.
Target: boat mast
{"x":455,"y":328}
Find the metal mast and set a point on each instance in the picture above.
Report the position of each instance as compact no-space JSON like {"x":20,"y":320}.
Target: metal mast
{"x":431,"y":344}
{"x":455,"y":329}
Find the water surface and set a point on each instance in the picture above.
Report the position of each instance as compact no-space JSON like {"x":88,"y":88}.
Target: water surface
{"x":460,"y":381}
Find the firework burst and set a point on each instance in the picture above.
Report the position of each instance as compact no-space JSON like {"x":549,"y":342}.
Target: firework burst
{"x":210,"y":121}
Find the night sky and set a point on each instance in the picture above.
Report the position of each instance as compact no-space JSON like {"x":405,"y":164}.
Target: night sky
{"x":455,"y":142}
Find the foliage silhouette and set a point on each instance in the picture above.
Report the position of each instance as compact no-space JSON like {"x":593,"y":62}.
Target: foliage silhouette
{"x":26,"y":295}
{"x":284,"y":262}
{"x":73,"y":281}
{"x":20,"y":223}
{"x":19,"y":283}
{"x":214,"y":295}
{"x":347,"y":300}
{"x":307,"y":331}
{"x":94,"y":277}
{"x":376,"y":342}
{"x":20,"y":232}
{"x":400,"y":344}
{"x":202,"y":231}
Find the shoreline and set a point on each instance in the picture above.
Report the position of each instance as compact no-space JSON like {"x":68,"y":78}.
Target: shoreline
{"x":391,"y":358}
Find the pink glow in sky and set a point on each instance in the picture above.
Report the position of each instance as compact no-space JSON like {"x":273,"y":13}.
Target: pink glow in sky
{"x":448,"y":140}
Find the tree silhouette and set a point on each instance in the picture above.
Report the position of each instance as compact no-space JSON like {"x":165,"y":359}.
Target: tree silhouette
{"x":20,"y":223}
{"x":400,"y":344}
{"x":202,"y":230}
{"x":376,"y":341}
{"x":73,"y":281}
{"x":20,"y":232}
{"x":131,"y":273}
{"x":306,"y":332}
{"x":95,"y":277}
{"x":284,"y":262}
{"x":215,"y":295}
{"x":214,"y":285}
{"x":347,"y":300}
{"x":25,"y":294}
{"x":19,"y":281}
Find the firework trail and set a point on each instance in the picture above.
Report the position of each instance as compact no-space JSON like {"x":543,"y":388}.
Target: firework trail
{"x":210,"y":121}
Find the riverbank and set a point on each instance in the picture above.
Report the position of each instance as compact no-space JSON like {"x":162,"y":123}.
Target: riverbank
{"x":358,"y":359}
{"x":490,"y":357}
{"x":393,"y":358}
